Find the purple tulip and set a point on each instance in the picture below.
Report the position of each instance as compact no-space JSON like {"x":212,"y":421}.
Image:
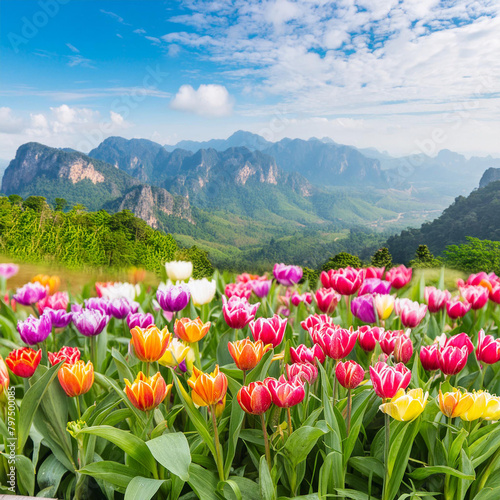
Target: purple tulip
{"x":8,"y":270}
{"x":58,"y":317}
{"x":76,"y":308}
{"x":362,"y":308}
{"x":261,"y":288}
{"x":30,"y":294}
{"x":90,"y":322}
{"x":182,"y":366}
{"x":34,"y":330}
{"x":287,"y":275}
{"x":98,"y":304}
{"x":121,"y":308}
{"x":140,"y":319}
{"x":374,"y":285}
{"x":173,"y":298}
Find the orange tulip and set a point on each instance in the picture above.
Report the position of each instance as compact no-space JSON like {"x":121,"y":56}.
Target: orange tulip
{"x":24,"y":361}
{"x":51,"y":282}
{"x":76,"y":378}
{"x":150,"y":343}
{"x":4,"y":379}
{"x":147,"y":393}
{"x":208,"y":388}
{"x":191,"y":330}
{"x":247,"y":354}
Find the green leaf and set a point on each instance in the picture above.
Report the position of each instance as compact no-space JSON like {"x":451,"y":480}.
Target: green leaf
{"x":172,"y":451}
{"x":25,"y":472}
{"x":267,"y":489}
{"x":488,"y":494}
{"x":424,"y":472}
{"x":142,"y":488}
{"x":203,"y":482}
{"x":367,"y":465}
{"x":130,"y":444}
{"x":31,"y":401}
{"x":300,"y":443}
{"x":50,"y":474}
{"x":235,"y":422}
{"x":119,"y":475}
{"x":260,"y":371}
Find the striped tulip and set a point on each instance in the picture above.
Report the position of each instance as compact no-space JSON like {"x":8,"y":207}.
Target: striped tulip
{"x":208,"y":388}
{"x":191,"y":330}
{"x":76,"y":378}
{"x":150,"y":343}
{"x":146,"y":393}
{"x":23,"y":362}
{"x":254,"y":398}
{"x":247,"y":354}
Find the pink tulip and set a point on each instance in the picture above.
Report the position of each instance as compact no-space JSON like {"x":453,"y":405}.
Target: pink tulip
{"x":495,"y":293}
{"x":387,"y":380}
{"x":429,"y":357}
{"x":337,"y":343}
{"x":455,"y":308}
{"x":287,"y":275}
{"x":241,"y":289}
{"x":476,"y":296}
{"x":460,"y":340}
{"x":297,"y":298}
{"x":399,"y":276}
{"x":57,"y":301}
{"x":411,"y":313}
{"x":269,"y":330}
{"x":303,"y":371}
{"x":285,"y":393}
{"x":452,"y":359}
{"x":388,"y":339}
{"x":327,"y":300}
{"x":374,"y":272}
{"x":316,"y":321}
{"x":488,"y":348}
{"x":349,"y":374}
{"x":374,"y":285}
{"x":368,"y":337}
{"x":304,"y":354}
{"x":344,"y":281}
{"x":479,"y":279}
{"x":436,"y":299}
{"x":238,"y":312}
{"x":403,"y":349}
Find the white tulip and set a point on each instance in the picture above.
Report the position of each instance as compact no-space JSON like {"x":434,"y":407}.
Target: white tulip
{"x":202,"y":291}
{"x":121,"y":291}
{"x":178,"y":270}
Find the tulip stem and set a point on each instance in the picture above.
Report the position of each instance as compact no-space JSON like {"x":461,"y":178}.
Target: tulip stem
{"x":349,"y":407}
{"x":54,"y":339}
{"x":197,"y":358}
{"x":266,"y":440}
{"x":335,"y":381}
{"x":218,"y":455}
{"x":290,"y":430}
{"x":386,"y":454}
{"x":92,"y":351}
{"x":244,"y":376}
{"x":483,"y":371}
{"x":78,"y":410}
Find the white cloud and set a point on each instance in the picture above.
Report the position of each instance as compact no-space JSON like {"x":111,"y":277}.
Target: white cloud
{"x":9,"y":123}
{"x":208,"y":100}
{"x":72,"y":48}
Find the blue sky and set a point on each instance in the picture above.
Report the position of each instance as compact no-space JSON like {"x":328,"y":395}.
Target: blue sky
{"x":401,"y":75}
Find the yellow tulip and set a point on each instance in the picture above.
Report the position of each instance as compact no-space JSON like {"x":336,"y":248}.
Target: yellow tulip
{"x":492,"y":411}
{"x":175,"y":354}
{"x":384,"y":304}
{"x":478,"y":407}
{"x":454,"y":404}
{"x":406,"y":406}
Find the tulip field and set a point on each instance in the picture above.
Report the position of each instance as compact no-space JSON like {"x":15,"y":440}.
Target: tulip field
{"x":369,"y":384}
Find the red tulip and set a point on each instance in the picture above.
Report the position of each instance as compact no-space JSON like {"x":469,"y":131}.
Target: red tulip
{"x":387,"y":380}
{"x":67,"y":354}
{"x":460,"y":340}
{"x":403,"y":349}
{"x":488,"y":348}
{"x":399,"y":276}
{"x":316,"y":321}
{"x":336,"y":343}
{"x":349,"y":374}
{"x":285,"y":393}
{"x":436,"y":299}
{"x":374,"y":272}
{"x":429,"y":357}
{"x":369,"y":336}
{"x":303,"y":371}
{"x":327,"y":300}
{"x":495,"y":293}
{"x":455,"y":308}
{"x":304,"y":354}
{"x":269,"y":330}
{"x":24,"y":361}
{"x":347,"y":281}
{"x":452,"y":359}
{"x":476,"y":296}
{"x":411,"y":313}
{"x":255,"y":398}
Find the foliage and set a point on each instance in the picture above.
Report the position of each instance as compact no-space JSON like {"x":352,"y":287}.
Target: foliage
{"x":424,"y":258}
{"x":382,"y":258}
{"x":342,"y":259}
{"x":474,"y":256}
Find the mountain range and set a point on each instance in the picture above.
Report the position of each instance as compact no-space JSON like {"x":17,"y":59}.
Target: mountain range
{"x":235,"y":196}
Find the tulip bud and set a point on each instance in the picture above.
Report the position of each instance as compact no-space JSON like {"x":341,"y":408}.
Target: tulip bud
{"x":388,"y":339}
{"x":374,"y":285}
{"x":477,"y":408}
{"x":139,"y":319}
{"x":337,"y":343}
{"x":173,"y":298}
{"x":150,"y":343}
{"x":303,"y":354}
{"x":349,"y":374}
{"x":399,"y":276}
{"x":191,"y":330}
{"x":363,"y":308}
{"x":238,"y":312}
{"x":146,"y":393}
{"x":30,"y":293}
{"x":411,"y":313}
{"x":90,"y":322}
{"x":452,"y":359}
{"x":436,"y":299}
{"x":327,"y":300}
{"x":243,"y":290}
{"x":179,"y":270}
{"x":247,"y":354}
{"x":476,"y":296}
{"x":429,"y":357}
{"x":175,"y":354}
{"x":255,"y":398}
{"x":202,"y":291}
{"x":455,"y":308}
{"x":345,"y":281}
{"x":34,"y":330}
{"x":303,"y":371}
{"x":384,"y":305}
{"x":403,"y":349}
{"x":488,"y":348}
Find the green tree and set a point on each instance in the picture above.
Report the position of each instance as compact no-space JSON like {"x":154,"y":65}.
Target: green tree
{"x":382,"y":258}
{"x":424,"y":258}
{"x":36,"y":203}
{"x":474,"y":256}
{"x":60,"y":204}
{"x":15,"y":199}
{"x":342,"y":259}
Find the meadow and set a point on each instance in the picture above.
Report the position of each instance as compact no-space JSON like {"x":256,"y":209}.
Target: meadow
{"x":367,"y":384}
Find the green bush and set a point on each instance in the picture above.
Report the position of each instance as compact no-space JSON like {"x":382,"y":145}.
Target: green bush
{"x":342,"y":259}
{"x":382,"y":258}
{"x":474,"y":256}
